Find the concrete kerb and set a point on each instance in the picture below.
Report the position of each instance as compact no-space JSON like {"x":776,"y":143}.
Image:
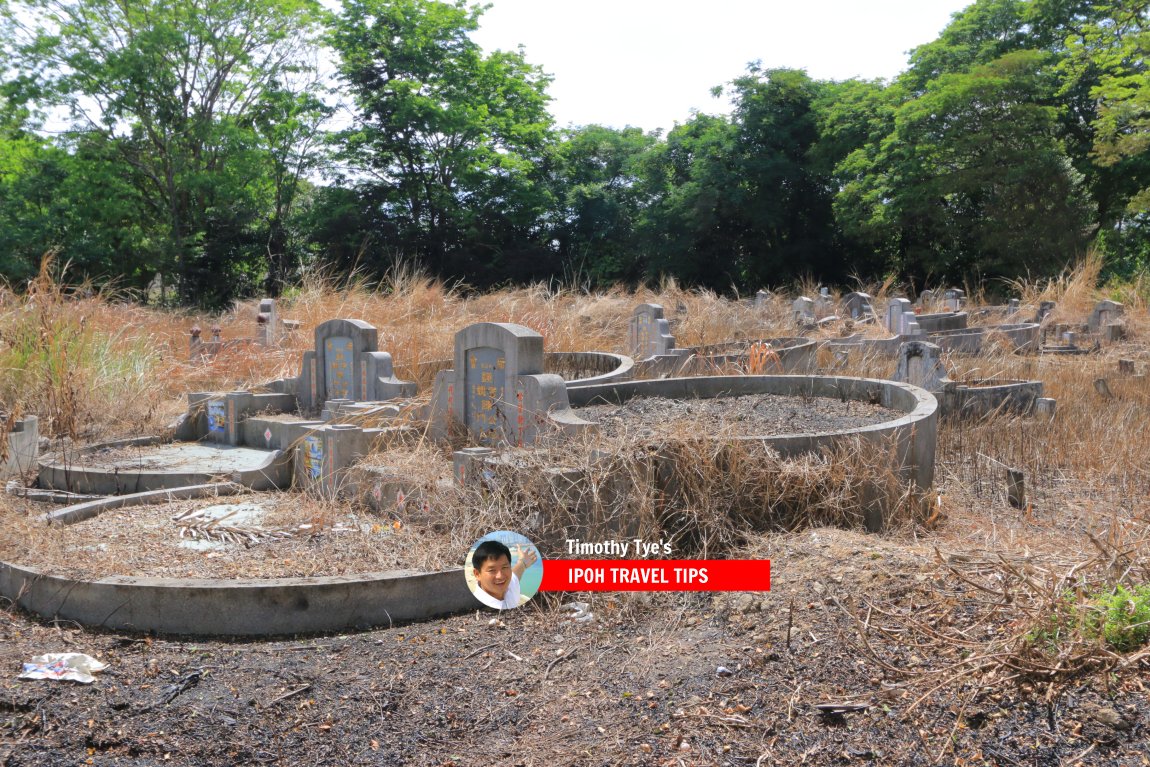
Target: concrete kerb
{"x":607,"y":366}
{"x":68,"y":472}
{"x":783,"y":355}
{"x":271,"y":607}
{"x":211,"y":607}
{"x":914,"y":434}
{"x":87,"y":510}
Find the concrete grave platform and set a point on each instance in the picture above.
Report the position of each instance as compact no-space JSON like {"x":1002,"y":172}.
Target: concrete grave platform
{"x":913,"y":435}
{"x":148,"y":463}
{"x":228,"y":607}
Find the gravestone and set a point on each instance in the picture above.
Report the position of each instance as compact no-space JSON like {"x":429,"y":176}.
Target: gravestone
{"x":954,"y":298}
{"x":497,"y":388}
{"x":920,"y":364}
{"x":858,"y":307}
{"x":346,"y":364}
{"x":649,"y":333}
{"x":900,"y":318}
{"x":268,"y":321}
{"x":803,"y":311}
{"x":925,"y":299}
{"x":762,"y":299}
{"x":1105,"y":312}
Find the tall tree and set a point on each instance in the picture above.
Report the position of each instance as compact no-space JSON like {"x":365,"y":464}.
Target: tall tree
{"x":600,"y":200}
{"x":171,"y":85}
{"x":973,"y":180}
{"x":451,"y":139}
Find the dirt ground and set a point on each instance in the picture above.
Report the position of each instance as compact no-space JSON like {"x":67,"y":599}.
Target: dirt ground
{"x":697,"y":679}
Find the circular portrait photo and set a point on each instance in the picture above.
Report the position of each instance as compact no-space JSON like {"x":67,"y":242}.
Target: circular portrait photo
{"x":503,"y":569}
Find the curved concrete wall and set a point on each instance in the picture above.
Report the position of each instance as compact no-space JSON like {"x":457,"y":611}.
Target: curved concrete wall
{"x":204,"y":607}
{"x":913,"y":435}
{"x":978,"y":398}
{"x":576,"y":368}
{"x":932,"y":323}
{"x":1023,"y":337}
{"x":68,"y":472}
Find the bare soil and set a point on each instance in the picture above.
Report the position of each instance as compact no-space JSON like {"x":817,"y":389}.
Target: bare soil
{"x":729,"y":679}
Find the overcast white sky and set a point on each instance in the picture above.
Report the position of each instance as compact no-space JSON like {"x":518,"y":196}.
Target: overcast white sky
{"x":648,"y":63}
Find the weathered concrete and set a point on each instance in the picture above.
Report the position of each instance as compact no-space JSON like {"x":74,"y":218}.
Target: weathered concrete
{"x":22,"y":447}
{"x":913,"y":435}
{"x":162,"y":466}
{"x":780,"y":355}
{"x":576,"y":368}
{"x":205,"y":607}
{"x":932,"y":323}
{"x":81,"y":511}
{"x":497,"y":389}
{"x":920,"y":363}
{"x":1022,"y":337}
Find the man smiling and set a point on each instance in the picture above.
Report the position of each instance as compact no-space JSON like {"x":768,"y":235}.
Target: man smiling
{"x":497,"y":578}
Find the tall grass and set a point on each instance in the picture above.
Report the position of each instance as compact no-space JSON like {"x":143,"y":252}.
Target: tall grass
{"x":76,"y":359}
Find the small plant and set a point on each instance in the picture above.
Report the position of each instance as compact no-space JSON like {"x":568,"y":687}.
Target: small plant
{"x":1125,"y":617}
{"x":1120,"y":618}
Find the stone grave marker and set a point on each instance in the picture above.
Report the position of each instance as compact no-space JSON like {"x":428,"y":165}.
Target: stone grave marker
{"x":346,"y":365}
{"x":1105,"y":312}
{"x":497,"y":388}
{"x":920,"y":364}
{"x":803,"y":311}
{"x":858,"y":306}
{"x":954,"y":298}
{"x":649,"y":333}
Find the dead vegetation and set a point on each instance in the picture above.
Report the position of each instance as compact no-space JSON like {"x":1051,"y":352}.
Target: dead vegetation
{"x":970,"y":633}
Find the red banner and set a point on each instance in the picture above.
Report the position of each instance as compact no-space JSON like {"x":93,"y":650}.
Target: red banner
{"x":656,"y":575}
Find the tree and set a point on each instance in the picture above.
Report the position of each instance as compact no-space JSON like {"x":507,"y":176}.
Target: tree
{"x":170,"y":87}
{"x":450,"y":141}
{"x":973,"y":179}
{"x":600,"y":197}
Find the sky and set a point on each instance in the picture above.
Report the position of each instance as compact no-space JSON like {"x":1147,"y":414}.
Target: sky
{"x":649,"y":63}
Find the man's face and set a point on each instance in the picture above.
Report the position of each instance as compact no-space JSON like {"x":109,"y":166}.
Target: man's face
{"x":495,"y":576}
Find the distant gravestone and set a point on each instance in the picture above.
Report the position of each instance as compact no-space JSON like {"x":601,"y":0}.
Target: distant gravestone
{"x":803,"y":311}
{"x":1105,"y":312}
{"x":268,"y":321}
{"x":649,"y":333}
{"x":954,"y":298}
{"x":925,"y":299}
{"x":858,"y":307}
{"x":762,"y":299}
{"x":497,"y":388}
{"x":895,"y":315}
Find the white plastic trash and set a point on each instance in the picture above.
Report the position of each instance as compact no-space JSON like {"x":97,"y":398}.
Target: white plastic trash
{"x":75,"y":666}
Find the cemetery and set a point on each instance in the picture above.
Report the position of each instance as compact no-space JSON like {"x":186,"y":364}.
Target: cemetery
{"x":330,"y":495}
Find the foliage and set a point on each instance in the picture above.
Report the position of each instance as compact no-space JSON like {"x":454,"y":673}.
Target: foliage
{"x":170,"y":90}
{"x":1120,"y":617}
{"x":450,"y":139}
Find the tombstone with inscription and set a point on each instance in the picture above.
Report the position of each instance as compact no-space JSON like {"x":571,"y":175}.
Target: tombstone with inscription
{"x":346,"y":365}
{"x":497,"y":389}
{"x":649,"y":333}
